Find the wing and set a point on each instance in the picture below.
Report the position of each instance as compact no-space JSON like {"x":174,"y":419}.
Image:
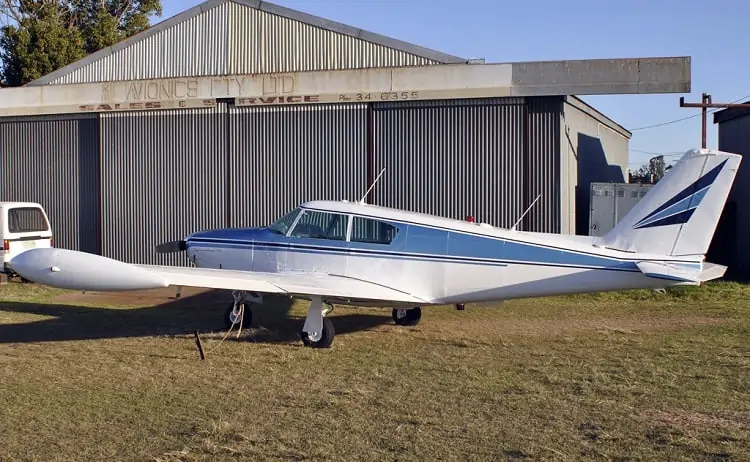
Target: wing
{"x":70,"y":269}
{"x":296,"y":284}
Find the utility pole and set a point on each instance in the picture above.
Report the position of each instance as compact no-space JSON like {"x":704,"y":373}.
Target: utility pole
{"x":704,"y":105}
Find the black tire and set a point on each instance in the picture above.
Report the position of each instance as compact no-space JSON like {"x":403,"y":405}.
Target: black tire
{"x":412,"y":318}
{"x":325,"y":340}
{"x":247,"y":317}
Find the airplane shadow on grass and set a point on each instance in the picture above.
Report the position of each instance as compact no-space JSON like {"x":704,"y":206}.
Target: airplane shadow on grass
{"x":203,"y":312}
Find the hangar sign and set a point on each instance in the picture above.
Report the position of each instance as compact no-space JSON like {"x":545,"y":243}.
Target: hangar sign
{"x":276,"y":100}
{"x":146,"y":105}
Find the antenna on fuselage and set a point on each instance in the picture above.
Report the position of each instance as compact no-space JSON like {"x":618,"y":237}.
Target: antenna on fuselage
{"x":528,"y":209}
{"x":362,"y":201}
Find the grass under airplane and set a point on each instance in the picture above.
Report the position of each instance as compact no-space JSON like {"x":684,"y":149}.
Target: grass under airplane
{"x":350,"y":253}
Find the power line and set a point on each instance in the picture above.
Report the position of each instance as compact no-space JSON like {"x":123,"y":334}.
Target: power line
{"x":684,"y":118}
{"x":670,"y":153}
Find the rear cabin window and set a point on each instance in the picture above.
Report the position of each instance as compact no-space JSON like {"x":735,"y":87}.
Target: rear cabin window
{"x":372,"y":231}
{"x":321,"y":225}
{"x":26,"y":220}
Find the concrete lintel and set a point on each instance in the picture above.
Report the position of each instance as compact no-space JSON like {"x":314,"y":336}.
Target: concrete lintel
{"x":664,"y":75}
{"x":603,"y":76}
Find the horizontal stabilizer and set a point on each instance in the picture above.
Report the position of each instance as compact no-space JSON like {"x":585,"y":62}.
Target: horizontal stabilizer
{"x":669,"y":272}
{"x":712,"y":271}
{"x":673,"y":272}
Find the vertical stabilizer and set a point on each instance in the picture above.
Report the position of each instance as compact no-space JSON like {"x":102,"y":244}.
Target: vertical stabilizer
{"x":679,"y":215}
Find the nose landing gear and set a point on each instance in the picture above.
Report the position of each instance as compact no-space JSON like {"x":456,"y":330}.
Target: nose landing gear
{"x":239,"y":308}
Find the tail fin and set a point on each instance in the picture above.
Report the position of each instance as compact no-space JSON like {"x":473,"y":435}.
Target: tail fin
{"x":678,"y":216}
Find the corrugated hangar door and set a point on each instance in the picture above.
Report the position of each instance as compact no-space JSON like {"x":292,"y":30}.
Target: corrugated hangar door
{"x":53,"y":160}
{"x":281,"y":156}
{"x":163,"y":177}
{"x":452,"y":158}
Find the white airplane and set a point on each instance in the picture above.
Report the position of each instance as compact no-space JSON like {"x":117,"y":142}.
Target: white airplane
{"x":349,"y":253}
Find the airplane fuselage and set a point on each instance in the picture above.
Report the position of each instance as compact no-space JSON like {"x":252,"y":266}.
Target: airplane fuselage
{"x":446,"y":262}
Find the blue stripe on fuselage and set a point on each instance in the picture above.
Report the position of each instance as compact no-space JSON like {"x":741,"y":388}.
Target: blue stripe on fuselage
{"x":417,"y":243}
{"x":421,"y":242}
{"x":276,"y":247}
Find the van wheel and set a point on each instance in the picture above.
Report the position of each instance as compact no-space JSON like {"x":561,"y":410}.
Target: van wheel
{"x":22,"y":279}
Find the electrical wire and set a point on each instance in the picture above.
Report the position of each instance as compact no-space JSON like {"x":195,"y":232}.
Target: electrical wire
{"x":665,"y":154}
{"x":710,"y":111}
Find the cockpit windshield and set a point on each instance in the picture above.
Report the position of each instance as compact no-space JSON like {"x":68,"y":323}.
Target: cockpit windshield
{"x":282,"y":225}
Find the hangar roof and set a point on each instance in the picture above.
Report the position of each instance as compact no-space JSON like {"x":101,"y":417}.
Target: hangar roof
{"x":725,"y":115}
{"x":226,"y":37}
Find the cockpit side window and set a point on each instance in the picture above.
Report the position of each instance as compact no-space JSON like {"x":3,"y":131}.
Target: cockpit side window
{"x":281,"y":226}
{"x":372,"y":231}
{"x":321,"y":225}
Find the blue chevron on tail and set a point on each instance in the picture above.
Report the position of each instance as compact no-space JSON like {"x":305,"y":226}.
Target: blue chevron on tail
{"x":680,"y":208}
{"x":679,"y":215}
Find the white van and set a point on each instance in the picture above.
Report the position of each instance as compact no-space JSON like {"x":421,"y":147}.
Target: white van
{"x":23,"y":226}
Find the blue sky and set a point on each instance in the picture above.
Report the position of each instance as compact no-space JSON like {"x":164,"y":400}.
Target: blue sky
{"x":534,"y":30}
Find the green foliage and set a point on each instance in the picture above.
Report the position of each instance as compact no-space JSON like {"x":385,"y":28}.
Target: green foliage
{"x":652,"y":172}
{"x":40,"y":43}
{"x":41,"y":36}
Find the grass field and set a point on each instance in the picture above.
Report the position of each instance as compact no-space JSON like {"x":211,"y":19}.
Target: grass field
{"x":626,"y":376}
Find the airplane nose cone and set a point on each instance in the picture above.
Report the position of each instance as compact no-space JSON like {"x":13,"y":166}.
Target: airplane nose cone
{"x":69,"y":269}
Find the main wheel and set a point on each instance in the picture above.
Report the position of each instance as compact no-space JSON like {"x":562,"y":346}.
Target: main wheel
{"x":404,"y":317}
{"x":320,"y":340}
{"x":230,"y":316}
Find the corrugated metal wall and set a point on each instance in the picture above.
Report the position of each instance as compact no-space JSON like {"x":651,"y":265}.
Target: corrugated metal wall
{"x":281,"y":156}
{"x":542,"y":165}
{"x":163,"y":177}
{"x":283,"y":45}
{"x":729,"y":245}
{"x":53,"y":160}
{"x":469,"y":157}
{"x":237,"y":39}
{"x":166,"y":174}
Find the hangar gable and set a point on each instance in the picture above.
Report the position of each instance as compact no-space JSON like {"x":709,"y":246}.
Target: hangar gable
{"x":230,"y":37}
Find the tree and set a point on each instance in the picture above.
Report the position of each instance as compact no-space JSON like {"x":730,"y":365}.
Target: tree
{"x":41,"y":36}
{"x":651,"y":173}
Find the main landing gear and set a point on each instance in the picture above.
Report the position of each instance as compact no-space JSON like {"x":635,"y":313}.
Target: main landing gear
{"x":407,"y":317}
{"x":318,"y":331}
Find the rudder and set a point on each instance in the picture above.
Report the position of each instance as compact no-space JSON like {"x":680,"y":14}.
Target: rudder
{"x":679,"y":215}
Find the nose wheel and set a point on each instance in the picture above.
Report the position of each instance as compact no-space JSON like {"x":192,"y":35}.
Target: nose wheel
{"x":236,"y":311}
{"x":239,"y":312}
{"x":407,"y":317}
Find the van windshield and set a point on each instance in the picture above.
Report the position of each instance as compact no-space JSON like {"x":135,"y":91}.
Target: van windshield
{"x":26,"y":220}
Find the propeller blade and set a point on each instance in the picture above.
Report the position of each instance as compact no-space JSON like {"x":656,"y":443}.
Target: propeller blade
{"x":171,"y":247}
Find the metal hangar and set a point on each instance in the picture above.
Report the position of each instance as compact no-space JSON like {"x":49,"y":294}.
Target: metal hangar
{"x":234,"y":111}
{"x":729,"y":246}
